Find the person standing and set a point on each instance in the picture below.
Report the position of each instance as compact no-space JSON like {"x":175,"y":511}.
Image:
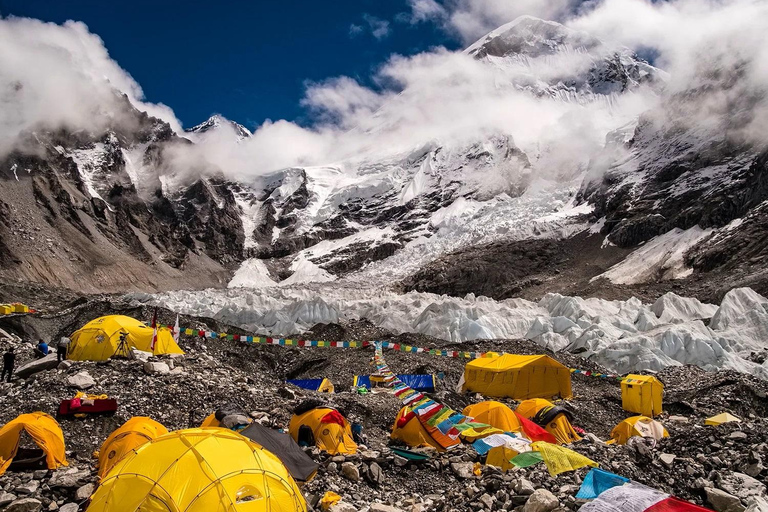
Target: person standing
{"x":9,"y":360}
{"x":61,"y":348}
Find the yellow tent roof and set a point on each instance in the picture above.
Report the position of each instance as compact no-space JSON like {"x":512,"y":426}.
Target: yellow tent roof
{"x":495,"y":414}
{"x":411,"y":431}
{"x":518,"y":376}
{"x":641,"y":426}
{"x":129,"y":436}
{"x":44,"y":431}
{"x":199,"y":470}
{"x":330,"y":435}
{"x":99,"y":339}
{"x":721,"y":418}
{"x":559,"y":426}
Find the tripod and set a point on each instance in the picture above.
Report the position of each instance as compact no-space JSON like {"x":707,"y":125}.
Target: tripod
{"x":122,"y":350}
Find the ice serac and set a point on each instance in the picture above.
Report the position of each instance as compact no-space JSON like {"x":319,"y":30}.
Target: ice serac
{"x":623,"y":335}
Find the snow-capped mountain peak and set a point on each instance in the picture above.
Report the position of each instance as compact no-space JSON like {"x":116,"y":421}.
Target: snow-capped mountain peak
{"x":217,"y":122}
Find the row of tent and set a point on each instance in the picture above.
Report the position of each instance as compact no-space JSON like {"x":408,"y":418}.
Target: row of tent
{"x":519,"y":377}
{"x":142,"y":466}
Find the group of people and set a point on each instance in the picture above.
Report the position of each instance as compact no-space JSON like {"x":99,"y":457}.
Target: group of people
{"x":41,"y":350}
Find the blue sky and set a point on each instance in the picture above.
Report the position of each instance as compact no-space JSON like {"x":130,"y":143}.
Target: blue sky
{"x":246,"y":60}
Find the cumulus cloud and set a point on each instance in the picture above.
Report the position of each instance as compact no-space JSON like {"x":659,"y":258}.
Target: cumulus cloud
{"x":715,"y":47}
{"x":55,"y":76}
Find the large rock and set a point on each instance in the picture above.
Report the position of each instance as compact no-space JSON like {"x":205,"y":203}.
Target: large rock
{"x":342,"y":506}
{"x":722,"y":501}
{"x":30,"y":487}
{"x":156,"y":368}
{"x":541,"y":501}
{"x":739,"y":484}
{"x":463,"y":469}
{"x":69,"y":478}
{"x":350,"y":471}
{"x":48,"y":362}
{"x":84,"y":492}
{"x":524,"y":487}
{"x":380,"y":507}
{"x":375,"y":474}
{"x":25,"y":505}
{"x":69,"y":507}
{"x":6,"y":498}
{"x":81,"y":380}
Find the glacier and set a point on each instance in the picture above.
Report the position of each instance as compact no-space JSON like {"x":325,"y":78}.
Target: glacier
{"x":622,"y":335}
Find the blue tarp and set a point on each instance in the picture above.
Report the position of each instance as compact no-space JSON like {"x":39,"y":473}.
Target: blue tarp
{"x":311,"y":384}
{"x":417,"y":382}
{"x":598,"y":481}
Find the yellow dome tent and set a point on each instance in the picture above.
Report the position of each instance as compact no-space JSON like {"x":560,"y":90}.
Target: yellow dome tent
{"x":198,"y":470}
{"x":720,"y":419}
{"x":43,"y":430}
{"x":414,"y":433}
{"x":211,"y":421}
{"x":642,"y":394}
{"x":495,"y":414}
{"x":552,"y":418}
{"x":518,"y":377}
{"x":99,"y":339}
{"x":329,"y":430}
{"x":131,"y":434}
{"x":641,"y":426}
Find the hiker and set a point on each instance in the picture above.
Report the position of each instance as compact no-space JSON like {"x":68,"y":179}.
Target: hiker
{"x":61,"y":348}
{"x":9,"y":359}
{"x":41,"y":350}
{"x":357,"y":434}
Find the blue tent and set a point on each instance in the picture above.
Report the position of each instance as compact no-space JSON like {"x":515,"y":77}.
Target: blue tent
{"x":417,"y":382}
{"x":319,"y":385}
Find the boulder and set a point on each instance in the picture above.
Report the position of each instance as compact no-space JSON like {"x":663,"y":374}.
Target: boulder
{"x":380,"y":507}
{"x":739,"y":484}
{"x":541,"y":501}
{"x":48,"y":362}
{"x":69,"y":507}
{"x":523,"y":487}
{"x":25,"y":505}
{"x":667,"y":459}
{"x":463,"y":469}
{"x":721,"y":501}
{"x":64,"y":365}
{"x":69,"y":478}
{"x":375,"y":474}
{"x":350,"y":471}
{"x":156,"y":368}
{"x":140,"y":355}
{"x":6,"y":498}
{"x":84,"y":492}
{"x":342,"y":506}
{"x":81,"y":380}
{"x":30,"y":487}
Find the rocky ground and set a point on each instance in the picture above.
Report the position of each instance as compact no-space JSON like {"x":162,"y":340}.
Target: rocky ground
{"x":721,"y":467}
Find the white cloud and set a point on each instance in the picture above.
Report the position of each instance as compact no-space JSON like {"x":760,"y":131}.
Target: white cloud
{"x":61,"y":76}
{"x":379,"y":28}
{"x":470,"y":19}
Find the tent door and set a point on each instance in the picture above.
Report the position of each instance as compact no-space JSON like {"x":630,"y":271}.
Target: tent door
{"x":306,"y":436}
